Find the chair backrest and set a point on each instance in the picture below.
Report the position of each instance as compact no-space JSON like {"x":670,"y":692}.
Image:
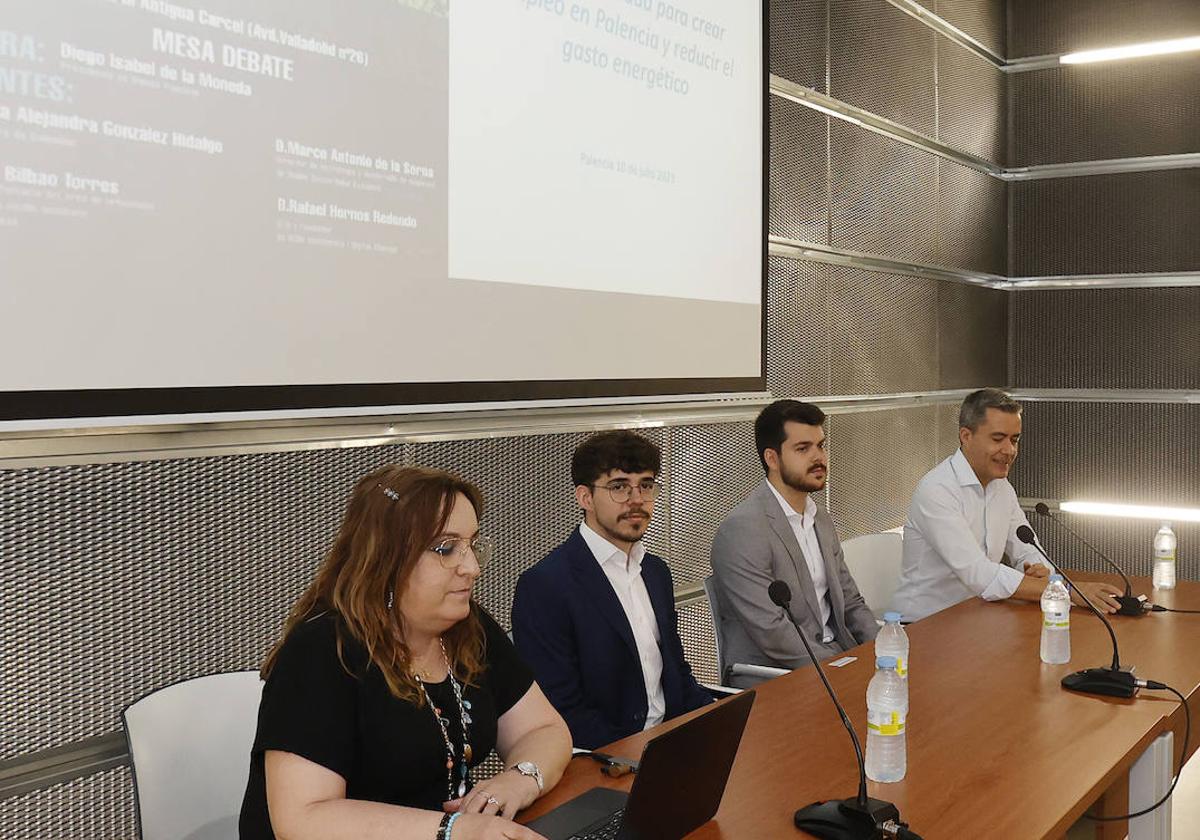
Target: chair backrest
{"x":190,"y":747}
{"x":874,"y":563}
{"x":714,"y":608}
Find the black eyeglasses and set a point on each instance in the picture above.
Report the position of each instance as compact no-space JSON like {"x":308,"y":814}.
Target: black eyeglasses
{"x":622,"y":491}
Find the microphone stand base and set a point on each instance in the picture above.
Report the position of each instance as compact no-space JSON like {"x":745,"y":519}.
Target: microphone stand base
{"x":1103,"y":681}
{"x":845,"y":819}
{"x":1132,"y":605}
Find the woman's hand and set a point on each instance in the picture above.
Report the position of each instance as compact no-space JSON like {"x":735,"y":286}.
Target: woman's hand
{"x":483,"y":827}
{"x":503,"y":794}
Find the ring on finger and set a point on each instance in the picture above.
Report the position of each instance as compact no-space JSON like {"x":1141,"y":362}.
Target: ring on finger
{"x":491,"y":800}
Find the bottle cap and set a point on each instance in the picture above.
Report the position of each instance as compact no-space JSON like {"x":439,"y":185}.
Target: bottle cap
{"x":885,"y":662}
{"x":1056,"y":577}
{"x":891,"y":616}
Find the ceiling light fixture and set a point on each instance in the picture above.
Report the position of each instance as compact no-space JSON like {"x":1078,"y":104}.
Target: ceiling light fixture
{"x":1132,"y":51}
{"x":1162,"y":514}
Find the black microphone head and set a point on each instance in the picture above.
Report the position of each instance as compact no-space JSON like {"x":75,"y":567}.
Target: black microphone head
{"x":1025,"y":534}
{"x":1042,"y":509}
{"x":780,"y":593}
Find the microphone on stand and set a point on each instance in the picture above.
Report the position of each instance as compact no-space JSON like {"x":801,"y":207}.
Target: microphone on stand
{"x":859,"y":818}
{"x":1111,"y":681}
{"x":1130,"y":604}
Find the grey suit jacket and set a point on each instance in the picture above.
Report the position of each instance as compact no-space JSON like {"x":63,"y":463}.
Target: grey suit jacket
{"x":754,"y":546}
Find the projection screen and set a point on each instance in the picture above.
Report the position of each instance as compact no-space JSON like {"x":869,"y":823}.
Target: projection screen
{"x":226,"y":206}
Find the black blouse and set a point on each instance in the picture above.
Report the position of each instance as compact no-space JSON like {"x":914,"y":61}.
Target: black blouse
{"x":386,"y":749}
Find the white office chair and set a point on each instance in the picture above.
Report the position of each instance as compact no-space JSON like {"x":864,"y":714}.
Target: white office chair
{"x":728,"y":670}
{"x":190,"y":749}
{"x":874,"y":563}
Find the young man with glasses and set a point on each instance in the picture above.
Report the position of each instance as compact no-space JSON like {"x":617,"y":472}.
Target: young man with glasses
{"x":595,"y":618}
{"x":779,"y":532}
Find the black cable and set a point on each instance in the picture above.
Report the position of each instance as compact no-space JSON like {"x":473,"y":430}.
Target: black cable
{"x":1157,"y":608}
{"x":1187,"y":714}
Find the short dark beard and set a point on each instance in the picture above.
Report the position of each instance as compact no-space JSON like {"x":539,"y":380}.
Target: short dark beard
{"x":800,"y":483}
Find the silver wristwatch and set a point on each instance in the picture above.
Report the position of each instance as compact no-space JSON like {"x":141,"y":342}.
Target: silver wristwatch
{"x":528,"y":768}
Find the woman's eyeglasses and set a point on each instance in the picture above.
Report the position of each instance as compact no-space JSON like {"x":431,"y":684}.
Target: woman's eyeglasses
{"x":451,"y":551}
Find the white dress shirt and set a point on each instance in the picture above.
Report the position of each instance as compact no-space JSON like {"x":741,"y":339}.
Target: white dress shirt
{"x":804,"y":527}
{"x":625,"y":574}
{"x":955,"y":540}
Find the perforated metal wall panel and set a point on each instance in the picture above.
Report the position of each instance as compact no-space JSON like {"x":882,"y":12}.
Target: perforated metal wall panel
{"x":1106,"y":338}
{"x":884,"y":195}
{"x":98,"y":807}
{"x":946,"y":418}
{"x":1041,"y":27}
{"x":875,"y":462}
{"x":119,"y":579}
{"x":798,"y":334}
{"x":972,"y":107}
{"x":972,"y":219}
{"x":884,"y":332}
{"x":799,"y":173}
{"x":1111,"y":110}
{"x":1133,"y":222}
{"x":714,"y":468}
{"x":984,"y":20}
{"x":699,"y":647}
{"x":1127,"y":542}
{"x":1141,"y":453}
{"x":1122,"y":452}
{"x":972,"y":336}
{"x":798,"y":41}
{"x":881,"y":59}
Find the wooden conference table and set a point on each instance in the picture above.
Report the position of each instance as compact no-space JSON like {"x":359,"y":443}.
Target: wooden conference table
{"x":996,"y":747}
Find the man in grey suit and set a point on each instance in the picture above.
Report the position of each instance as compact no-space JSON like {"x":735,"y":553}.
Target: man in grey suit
{"x":779,"y":532}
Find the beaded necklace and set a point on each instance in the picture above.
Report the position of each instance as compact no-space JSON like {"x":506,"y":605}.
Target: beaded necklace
{"x":443,"y":724}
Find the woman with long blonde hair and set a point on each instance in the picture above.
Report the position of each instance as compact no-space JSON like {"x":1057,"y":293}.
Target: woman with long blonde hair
{"x":389,"y":682}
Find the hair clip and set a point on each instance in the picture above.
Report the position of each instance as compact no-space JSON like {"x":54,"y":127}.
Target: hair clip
{"x":390,"y":493}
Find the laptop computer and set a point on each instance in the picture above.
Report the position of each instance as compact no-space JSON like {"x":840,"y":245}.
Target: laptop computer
{"x":677,"y":789}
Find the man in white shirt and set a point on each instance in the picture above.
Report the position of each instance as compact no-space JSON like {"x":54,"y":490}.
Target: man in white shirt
{"x":595,"y":619}
{"x":779,"y":532}
{"x":960,"y":539}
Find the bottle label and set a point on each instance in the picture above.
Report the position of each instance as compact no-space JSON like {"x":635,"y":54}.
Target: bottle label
{"x":885,"y":723}
{"x":1056,"y":620}
{"x":901,"y":666}
{"x":1164,"y":555}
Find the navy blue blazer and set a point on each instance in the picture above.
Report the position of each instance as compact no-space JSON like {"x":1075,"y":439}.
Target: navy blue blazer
{"x":570,"y":628}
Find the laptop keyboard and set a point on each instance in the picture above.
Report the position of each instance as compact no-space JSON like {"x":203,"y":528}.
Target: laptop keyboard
{"x":604,"y":829}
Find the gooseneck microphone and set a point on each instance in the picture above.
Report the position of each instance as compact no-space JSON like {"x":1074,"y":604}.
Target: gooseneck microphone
{"x":1111,"y":681}
{"x":1130,"y":604}
{"x":860,"y":818}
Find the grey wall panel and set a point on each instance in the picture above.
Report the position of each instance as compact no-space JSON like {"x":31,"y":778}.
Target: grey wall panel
{"x":984,"y":20}
{"x":799,"y":175}
{"x":884,"y":332}
{"x":884,"y":195}
{"x":98,"y":807}
{"x":972,"y":219}
{"x":1107,"y":338}
{"x":946,"y":418}
{"x":1140,"y":453}
{"x":881,"y":59}
{"x":699,"y":646}
{"x":798,"y":41}
{"x":972,"y":106}
{"x":119,"y":579}
{"x":798,"y":335}
{"x":973,"y":336}
{"x":876,"y":459}
{"x":713,"y":468}
{"x":1041,"y":27}
{"x":1133,"y":222}
{"x":1112,"y":110}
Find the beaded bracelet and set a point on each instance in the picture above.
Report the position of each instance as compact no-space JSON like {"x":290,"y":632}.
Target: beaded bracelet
{"x":450,"y":823}
{"x":443,"y":831}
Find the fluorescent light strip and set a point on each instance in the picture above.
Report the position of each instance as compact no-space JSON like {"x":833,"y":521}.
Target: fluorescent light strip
{"x":1162,"y":514}
{"x":1132,"y":51}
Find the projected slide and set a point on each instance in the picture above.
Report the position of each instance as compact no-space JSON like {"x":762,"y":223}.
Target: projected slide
{"x":217,"y":194}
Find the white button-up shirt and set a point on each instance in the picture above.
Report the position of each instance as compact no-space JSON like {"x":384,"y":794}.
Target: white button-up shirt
{"x":624,"y":572}
{"x":955,"y":540}
{"x":804,"y":527}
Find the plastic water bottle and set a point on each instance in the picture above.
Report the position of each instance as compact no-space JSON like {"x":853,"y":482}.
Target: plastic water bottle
{"x":887,"y":714}
{"x":1164,"y":557}
{"x":893,"y":641}
{"x":1056,"y":622}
